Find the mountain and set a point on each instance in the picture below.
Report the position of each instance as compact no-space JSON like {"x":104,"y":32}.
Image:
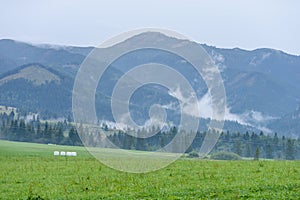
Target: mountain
{"x":288,"y":124}
{"x":264,"y":79}
{"x":61,"y":58}
{"x":261,"y":85}
{"x":36,"y":88}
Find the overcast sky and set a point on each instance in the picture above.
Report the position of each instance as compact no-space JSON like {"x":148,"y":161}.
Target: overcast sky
{"x":247,"y":24}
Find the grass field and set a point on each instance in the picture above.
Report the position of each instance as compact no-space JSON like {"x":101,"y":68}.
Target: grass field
{"x":30,"y":171}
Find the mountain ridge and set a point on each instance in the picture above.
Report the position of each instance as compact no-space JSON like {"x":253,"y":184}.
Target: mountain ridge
{"x":261,"y":84}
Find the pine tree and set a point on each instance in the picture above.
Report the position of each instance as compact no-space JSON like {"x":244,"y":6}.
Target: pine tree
{"x":12,"y":115}
{"x":248,"y":151}
{"x":269,"y":151}
{"x":39,"y":133}
{"x":247,"y":136}
{"x":74,"y":137}
{"x":283,"y":147}
{"x":261,"y":134}
{"x":257,"y":154}
{"x":238,"y":148}
{"x":46,"y":133}
{"x":290,"y":150}
{"x":162,"y":140}
{"x":60,"y":135}
{"x":276,"y":139}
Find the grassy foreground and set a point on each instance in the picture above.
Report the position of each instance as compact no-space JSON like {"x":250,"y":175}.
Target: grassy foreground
{"x":30,"y":171}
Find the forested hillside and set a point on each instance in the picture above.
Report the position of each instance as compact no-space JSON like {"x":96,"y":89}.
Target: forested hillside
{"x":65,"y":133}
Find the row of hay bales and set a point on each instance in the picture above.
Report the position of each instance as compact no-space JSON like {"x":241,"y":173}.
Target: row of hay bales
{"x":63,"y":153}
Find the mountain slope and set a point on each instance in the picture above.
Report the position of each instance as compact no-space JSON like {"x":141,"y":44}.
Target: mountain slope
{"x":262,"y":85}
{"x":288,"y":124}
{"x":14,"y":54}
{"x":35,"y":74}
{"x":35,"y":88}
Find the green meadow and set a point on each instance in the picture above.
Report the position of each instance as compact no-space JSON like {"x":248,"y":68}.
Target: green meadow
{"x":31,"y":171}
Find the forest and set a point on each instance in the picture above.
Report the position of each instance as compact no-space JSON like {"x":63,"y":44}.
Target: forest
{"x":248,"y":145}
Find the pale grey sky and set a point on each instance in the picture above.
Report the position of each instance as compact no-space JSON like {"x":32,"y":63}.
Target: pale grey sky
{"x":247,"y":24}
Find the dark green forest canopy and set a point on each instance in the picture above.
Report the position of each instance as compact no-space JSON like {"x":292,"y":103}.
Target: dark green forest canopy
{"x":245,"y":144}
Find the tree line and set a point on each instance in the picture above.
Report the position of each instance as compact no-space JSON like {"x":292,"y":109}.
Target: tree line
{"x":16,"y":128}
{"x":251,"y":145}
{"x":257,"y":145}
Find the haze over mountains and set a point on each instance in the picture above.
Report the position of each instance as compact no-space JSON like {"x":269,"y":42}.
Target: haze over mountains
{"x":262,"y":86}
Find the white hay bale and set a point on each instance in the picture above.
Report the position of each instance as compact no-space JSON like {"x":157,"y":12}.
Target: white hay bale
{"x":62,"y":153}
{"x":69,"y":153}
{"x":74,"y":153}
{"x":56,"y":153}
